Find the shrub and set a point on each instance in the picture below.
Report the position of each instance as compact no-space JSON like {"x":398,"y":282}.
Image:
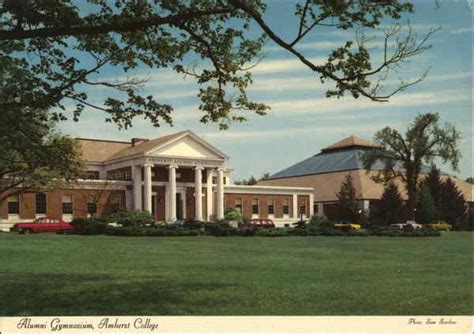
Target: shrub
{"x":422,"y":232}
{"x":320,"y":220}
{"x":273,"y":232}
{"x":128,"y":231}
{"x":232,"y":214}
{"x":133,"y":218}
{"x":193,"y":224}
{"x":300,"y":224}
{"x":89,"y":226}
{"x":245,"y":231}
{"x":220,"y":228}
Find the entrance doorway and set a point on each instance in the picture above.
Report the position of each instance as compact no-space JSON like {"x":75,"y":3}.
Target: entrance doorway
{"x":179,"y":206}
{"x":153,"y":206}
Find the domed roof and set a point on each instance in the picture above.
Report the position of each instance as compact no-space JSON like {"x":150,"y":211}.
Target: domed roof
{"x":350,"y":142}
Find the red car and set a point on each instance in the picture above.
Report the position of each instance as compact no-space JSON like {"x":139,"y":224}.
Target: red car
{"x":43,"y":224}
{"x":260,"y":223}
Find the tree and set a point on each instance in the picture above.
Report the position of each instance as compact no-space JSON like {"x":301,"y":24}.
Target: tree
{"x":347,"y":200}
{"x":470,"y":180}
{"x":433,"y":183}
{"x":251,"y":180}
{"x":453,"y":204}
{"x":98,"y":197}
{"x":53,"y":52}
{"x":403,"y":156}
{"x":390,"y":209}
{"x":248,"y":182}
{"x":426,"y":209}
{"x":32,"y":155}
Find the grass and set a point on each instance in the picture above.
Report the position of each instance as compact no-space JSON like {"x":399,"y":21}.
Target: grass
{"x":100,"y":275}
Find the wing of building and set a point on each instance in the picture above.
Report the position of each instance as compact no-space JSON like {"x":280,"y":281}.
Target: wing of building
{"x":174,"y":177}
{"x":326,"y":171}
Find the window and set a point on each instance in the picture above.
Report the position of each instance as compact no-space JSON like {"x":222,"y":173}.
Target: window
{"x":67,"y":205}
{"x":13,"y":205}
{"x":91,"y":206}
{"x":238,"y":204}
{"x":255,"y":206}
{"x":286,"y":207}
{"x":303,"y":207}
{"x":92,"y":175}
{"x":214,"y":180}
{"x":271,"y":207}
{"x":114,"y":203}
{"x":128,"y":174}
{"x":40,"y":203}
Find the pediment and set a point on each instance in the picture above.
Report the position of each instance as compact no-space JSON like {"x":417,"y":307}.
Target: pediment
{"x":187,"y":147}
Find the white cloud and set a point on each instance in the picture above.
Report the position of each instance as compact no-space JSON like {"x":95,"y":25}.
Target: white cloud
{"x":297,"y":131}
{"x":283,"y":65}
{"x":461,"y":30}
{"x":286,"y":84}
{"x":325,"y":105}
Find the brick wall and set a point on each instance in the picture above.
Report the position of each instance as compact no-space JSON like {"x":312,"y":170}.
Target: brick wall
{"x":230,"y":199}
{"x":54,"y":202}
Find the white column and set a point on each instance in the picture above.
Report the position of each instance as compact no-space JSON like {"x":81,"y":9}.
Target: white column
{"x":129,"y":199}
{"x":147,"y":189}
{"x":209,"y":194}
{"x":220,"y":194}
{"x":311,"y":205}
{"x":320,"y":208}
{"x":137,"y":187}
{"x":296,"y":209}
{"x":198,"y":193}
{"x":172,"y":193}
{"x":366,"y":206}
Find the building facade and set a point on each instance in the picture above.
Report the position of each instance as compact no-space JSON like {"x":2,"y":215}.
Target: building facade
{"x":178,"y":176}
{"x":326,"y":171}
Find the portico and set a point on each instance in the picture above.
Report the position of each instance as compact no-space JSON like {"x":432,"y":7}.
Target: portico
{"x":204,"y":191}
{"x":182,"y":177}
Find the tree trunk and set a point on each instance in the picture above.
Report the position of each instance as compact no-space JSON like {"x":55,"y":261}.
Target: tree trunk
{"x":1,"y":210}
{"x":411,"y":203}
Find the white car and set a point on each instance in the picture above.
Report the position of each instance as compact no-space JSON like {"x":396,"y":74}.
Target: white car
{"x":408,"y":223}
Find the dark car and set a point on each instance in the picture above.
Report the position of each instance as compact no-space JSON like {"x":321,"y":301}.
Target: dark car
{"x":260,"y":223}
{"x":43,"y":224}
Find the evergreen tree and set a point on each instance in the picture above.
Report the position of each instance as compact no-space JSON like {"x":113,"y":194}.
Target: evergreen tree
{"x":425,"y":209}
{"x":434,"y":183}
{"x":347,"y":200}
{"x":390,"y":209}
{"x":453,"y":205}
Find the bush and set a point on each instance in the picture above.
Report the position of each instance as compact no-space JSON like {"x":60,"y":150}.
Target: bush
{"x":133,"y":218}
{"x":234,"y":215}
{"x":128,"y":231}
{"x":273,"y":232}
{"x":245,"y":231}
{"x":300,"y":224}
{"x":193,"y":224}
{"x":421,"y":232}
{"x":220,"y":228}
{"x":89,"y":226}
{"x":320,"y":221}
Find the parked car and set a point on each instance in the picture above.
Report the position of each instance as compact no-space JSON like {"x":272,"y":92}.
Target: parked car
{"x":345,"y":224}
{"x":260,"y":223}
{"x":408,"y":224}
{"x":176,"y":224}
{"x":440,"y":225}
{"x":43,"y":224}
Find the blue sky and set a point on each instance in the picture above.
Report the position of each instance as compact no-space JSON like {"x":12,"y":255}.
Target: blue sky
{"x":302,"y":120}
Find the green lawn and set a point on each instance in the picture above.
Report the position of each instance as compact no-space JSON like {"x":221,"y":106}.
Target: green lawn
{"x":100,"y":275}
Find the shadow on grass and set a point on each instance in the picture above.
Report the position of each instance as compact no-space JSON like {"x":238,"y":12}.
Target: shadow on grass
{"x":96,"y":294}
